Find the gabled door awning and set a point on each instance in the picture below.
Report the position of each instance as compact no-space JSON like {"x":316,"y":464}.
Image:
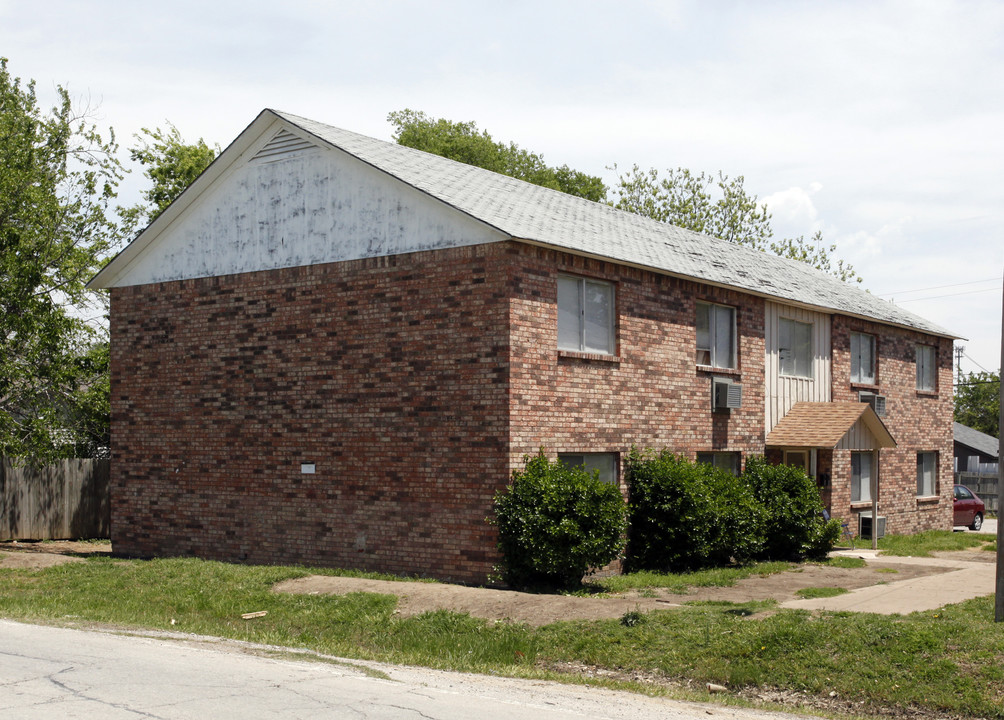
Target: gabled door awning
{"x":831,"y":425}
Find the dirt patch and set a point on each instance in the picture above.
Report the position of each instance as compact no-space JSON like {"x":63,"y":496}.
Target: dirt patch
{"x":32,"y":555}
{"x":416,"y":598}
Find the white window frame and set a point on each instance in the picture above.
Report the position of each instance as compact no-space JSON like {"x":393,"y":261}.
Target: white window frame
{"x":606,"y":465}
{"x":861,"y":491}
{"x":577,"y":330}
{"x":926,"y":366}
{"x":708,"y":347}
{"x":862,"y":358}
{"x":927,"y":474}
{"x":788,"y":352}
{"x":729,"y":461}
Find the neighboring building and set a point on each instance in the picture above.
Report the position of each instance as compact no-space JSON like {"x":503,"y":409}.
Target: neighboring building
{"x":975,"y":451}
{"x":334,"y":350}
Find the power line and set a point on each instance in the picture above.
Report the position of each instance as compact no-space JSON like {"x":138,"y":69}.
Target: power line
{"x":935,"y":297}
{"x":938,"y":287}
{"x":974,"y":362}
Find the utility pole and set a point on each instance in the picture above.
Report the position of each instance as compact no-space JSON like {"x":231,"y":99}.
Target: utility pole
{"x":959,"y":349}
{"x":999,"y":600}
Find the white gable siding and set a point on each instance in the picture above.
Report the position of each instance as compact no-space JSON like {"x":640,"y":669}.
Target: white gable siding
{"x":782,"y":392}
{"x":859,"y":437}
{"x":313,"y":206}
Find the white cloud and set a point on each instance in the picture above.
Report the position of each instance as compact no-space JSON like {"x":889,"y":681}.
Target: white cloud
{"x":793,"y":212}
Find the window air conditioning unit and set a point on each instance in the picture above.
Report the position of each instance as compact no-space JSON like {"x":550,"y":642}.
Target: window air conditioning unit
{"x":865,"y":525}
{"x":876,"y":401}
{"x":726,"y":394}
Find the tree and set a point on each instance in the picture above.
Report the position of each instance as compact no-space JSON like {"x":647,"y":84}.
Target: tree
{"x":977,"y":402}
{"x":58,"y":176}
{"x":463,"y":142}
{"x":815,"y":253}
{"x":171,"y":165}
{"x":718,"y":205}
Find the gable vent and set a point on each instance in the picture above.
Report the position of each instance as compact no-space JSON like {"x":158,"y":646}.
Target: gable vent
{"x":282,"y":146}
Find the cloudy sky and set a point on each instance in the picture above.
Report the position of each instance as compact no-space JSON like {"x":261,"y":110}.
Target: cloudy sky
{"x":879,"y":123}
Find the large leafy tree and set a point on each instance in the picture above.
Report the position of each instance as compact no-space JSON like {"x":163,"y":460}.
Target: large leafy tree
{"x":463,"y":142}
{"x":977,"y":402}
{"x":171,"y":165}
{"x":720,"y":206}
{"x":58,"y":177}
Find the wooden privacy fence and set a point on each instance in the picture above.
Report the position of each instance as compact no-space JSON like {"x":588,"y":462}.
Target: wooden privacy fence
{"x":983,"y":484}
{"x":67,"y":500}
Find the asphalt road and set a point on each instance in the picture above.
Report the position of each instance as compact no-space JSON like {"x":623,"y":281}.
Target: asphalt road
{"x":48,"y":672}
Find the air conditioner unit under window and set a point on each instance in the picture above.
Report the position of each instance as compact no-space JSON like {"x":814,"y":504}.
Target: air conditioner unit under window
{"x":865,"y":525}
{"x":876,"y":401}
{"x":726,"y":394}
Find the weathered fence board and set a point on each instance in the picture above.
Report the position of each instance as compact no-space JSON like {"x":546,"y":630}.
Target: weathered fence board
{"x":67,"y":500}
{"x":983,"y":484}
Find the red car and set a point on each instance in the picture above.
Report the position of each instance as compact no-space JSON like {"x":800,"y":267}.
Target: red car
{"x":969,"y":509}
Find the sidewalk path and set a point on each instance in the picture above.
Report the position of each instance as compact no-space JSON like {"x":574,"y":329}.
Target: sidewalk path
{"x":968,"y":580}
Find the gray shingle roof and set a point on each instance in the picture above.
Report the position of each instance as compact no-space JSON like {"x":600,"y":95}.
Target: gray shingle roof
{"x":540,"y":215}
{"x":986,"y":444}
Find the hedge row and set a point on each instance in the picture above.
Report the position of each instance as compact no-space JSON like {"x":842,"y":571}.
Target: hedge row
{"x":686,"y":516}
{"x":556,"y":523}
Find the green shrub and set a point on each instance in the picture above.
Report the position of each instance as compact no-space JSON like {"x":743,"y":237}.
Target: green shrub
{"x":794,"y":512}
{"x":555,"y":524}
{"x":685,"y":516}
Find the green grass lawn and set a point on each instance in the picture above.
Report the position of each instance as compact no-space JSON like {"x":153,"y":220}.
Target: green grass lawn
{"x":924,"y":543}
{"x":948,"y":662}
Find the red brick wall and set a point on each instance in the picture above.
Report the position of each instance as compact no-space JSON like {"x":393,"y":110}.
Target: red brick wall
{"x":389,"y":374}
{"x":919,"y":421}
{"x":651,"y":394}
{"x":397,"y":377}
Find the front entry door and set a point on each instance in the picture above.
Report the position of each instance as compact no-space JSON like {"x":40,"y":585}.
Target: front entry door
{"x":797,"y":458}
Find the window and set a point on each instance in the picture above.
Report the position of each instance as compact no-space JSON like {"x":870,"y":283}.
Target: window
{"x":585,"y":315}
{"x":925,"y":367}
{"x":862,"y":358}
{"x":927,"y":474}
{"x":727,"y":461}
{"x":603,"y":463}
{"x":862,"y":476}
{"x":716,"y":335}
{"x":795,"y":347}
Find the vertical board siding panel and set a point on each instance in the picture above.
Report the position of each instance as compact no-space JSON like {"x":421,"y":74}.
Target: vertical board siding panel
{"x":784,"y":392}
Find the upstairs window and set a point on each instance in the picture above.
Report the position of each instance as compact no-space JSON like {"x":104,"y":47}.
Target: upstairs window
{"x":716,"y":335}
{"x":863,"y":358}
{"x":585,"y":315}
{"x":927,"y":474}
{"x":925,"y":367}
{"x":795,"y":347}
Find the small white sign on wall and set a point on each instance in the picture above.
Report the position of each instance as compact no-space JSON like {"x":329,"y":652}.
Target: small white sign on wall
{"x":307,"y":468}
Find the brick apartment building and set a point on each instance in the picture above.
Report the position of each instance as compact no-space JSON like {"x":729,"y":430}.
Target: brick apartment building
{"x":333,"y":350}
